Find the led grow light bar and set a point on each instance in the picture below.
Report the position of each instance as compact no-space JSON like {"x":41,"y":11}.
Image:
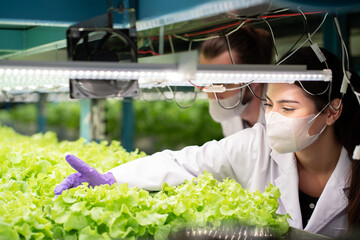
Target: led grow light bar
{"x":18,"y":76}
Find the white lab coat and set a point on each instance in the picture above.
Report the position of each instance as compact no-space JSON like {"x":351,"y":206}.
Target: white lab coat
{"x":236,"y":124}
{"x":247,"y":158}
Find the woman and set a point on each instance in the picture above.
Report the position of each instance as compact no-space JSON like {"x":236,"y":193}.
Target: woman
{"x":238,"y":109}
{"x":312,"y":166}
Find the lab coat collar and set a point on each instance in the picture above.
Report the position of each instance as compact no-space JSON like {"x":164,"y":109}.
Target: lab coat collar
{"x":333,"y":199}
{"x":288,"y":184}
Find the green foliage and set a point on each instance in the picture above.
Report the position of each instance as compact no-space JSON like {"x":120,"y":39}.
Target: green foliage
{"x":25,"y":112}
{"x":66,"y":114}
{"x":33,"y":165}
{"x":164,"y":124}
{"x":167,"y":125}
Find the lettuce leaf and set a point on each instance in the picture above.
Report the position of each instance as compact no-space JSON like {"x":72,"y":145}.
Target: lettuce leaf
{"x":32,"y":166}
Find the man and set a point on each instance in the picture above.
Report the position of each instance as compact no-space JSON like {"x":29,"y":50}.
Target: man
{"x":238,"y":108}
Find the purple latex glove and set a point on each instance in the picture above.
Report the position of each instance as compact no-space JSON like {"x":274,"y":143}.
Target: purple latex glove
{"x":85,"y":174}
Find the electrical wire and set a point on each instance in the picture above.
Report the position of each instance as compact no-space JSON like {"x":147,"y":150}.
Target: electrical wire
{"x":180,"y":37}
{"x":213,"y":30}
{"x":345,"y":54}
{"x":195,"y":40}
{"x":272,"y":37}
{"x":229,"y":49}
{"x":186,"y":36}
{"x":234,"y":24}
{"x":180,"y":105}
{"x":141,"y":43}
{"x":253,"y":93}
{"x":242,"y":87}
{"x":148,"y":51}
{"x":297,"y":41}
{"x":263,"y":18}
{"x":210,"y":37}
{"x":150,"y":45}
{"x":314,"y":94}
{"x":171,"y":45}
{"x":232,"y":107}
{"x":201,"y":88}
{"x":343,"y":46}
{"x":162,"y":93}
{"x":305,"y":41}
{"x":248,"y":85}
{"x":329,"y":86}
{"x":308,"y":39}
{"x":306,"y":26}
{"x":240,"y":25}
{"x":173,"y":92}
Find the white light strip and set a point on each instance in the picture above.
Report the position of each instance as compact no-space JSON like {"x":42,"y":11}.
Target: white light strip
{"x":54,"y":76}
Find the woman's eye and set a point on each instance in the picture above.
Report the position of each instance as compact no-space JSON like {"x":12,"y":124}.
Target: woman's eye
{"x":288,"y":109}
{"x":267,"y":105}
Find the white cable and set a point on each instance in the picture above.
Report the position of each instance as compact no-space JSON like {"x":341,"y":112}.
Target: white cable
{"x":204,"y":39}
{"x":180,"y":37}
{"x":306,"y":40}
{"x":240,"y":25}
{"x":150,"y":44}
{"x":182,"y":106}
{"x":195,"y":40}
{"x":314,"y":94}
{"x":229,"y":50}
{"x":166,"y":98}
{"x":211,"y":37}
{"x":171,"y":45}
{"x":232,"y":107}
{"x":306,"y":25}
{"x":318,"y":54}
{"x":273,"y":38}
{"x":240,"y":87}
{"x":344,"y":54}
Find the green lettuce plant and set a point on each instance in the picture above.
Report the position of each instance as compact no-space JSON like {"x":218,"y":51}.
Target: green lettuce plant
{"x":31,"y":167}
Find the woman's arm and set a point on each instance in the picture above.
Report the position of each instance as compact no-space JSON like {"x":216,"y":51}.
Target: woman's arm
{"x":231,"y":157}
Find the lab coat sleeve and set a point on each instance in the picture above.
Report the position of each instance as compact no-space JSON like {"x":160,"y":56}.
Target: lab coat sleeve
{"x":230,"y":157}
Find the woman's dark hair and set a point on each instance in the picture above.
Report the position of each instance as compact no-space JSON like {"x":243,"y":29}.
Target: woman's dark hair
{"x":347,"y":130}
{"x":249,"y":45}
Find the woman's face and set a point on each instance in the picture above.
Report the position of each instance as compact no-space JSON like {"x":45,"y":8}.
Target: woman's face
{"x":290,"y":101}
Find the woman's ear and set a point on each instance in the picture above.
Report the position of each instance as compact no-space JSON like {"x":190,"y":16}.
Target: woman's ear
{"x":334,"y":111}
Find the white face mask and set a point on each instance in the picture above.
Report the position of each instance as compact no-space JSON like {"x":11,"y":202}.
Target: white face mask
{"x":220,"y":114}
{"x":287,"y":135}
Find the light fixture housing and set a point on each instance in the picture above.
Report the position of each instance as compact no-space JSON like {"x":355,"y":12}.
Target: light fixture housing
{"x":96,"y":40}
{"x":29,"y":76}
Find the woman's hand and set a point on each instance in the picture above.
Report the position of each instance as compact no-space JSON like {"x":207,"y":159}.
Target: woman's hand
{"x":85,"y":174}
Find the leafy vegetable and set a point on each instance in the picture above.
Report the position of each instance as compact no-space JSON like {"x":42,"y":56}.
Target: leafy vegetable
{"x":159,"y":125}
{"x":32,"y":167}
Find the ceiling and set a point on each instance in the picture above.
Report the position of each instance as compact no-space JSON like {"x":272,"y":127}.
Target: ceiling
{"x":36,"y":30}
{"x":33,"y":27}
